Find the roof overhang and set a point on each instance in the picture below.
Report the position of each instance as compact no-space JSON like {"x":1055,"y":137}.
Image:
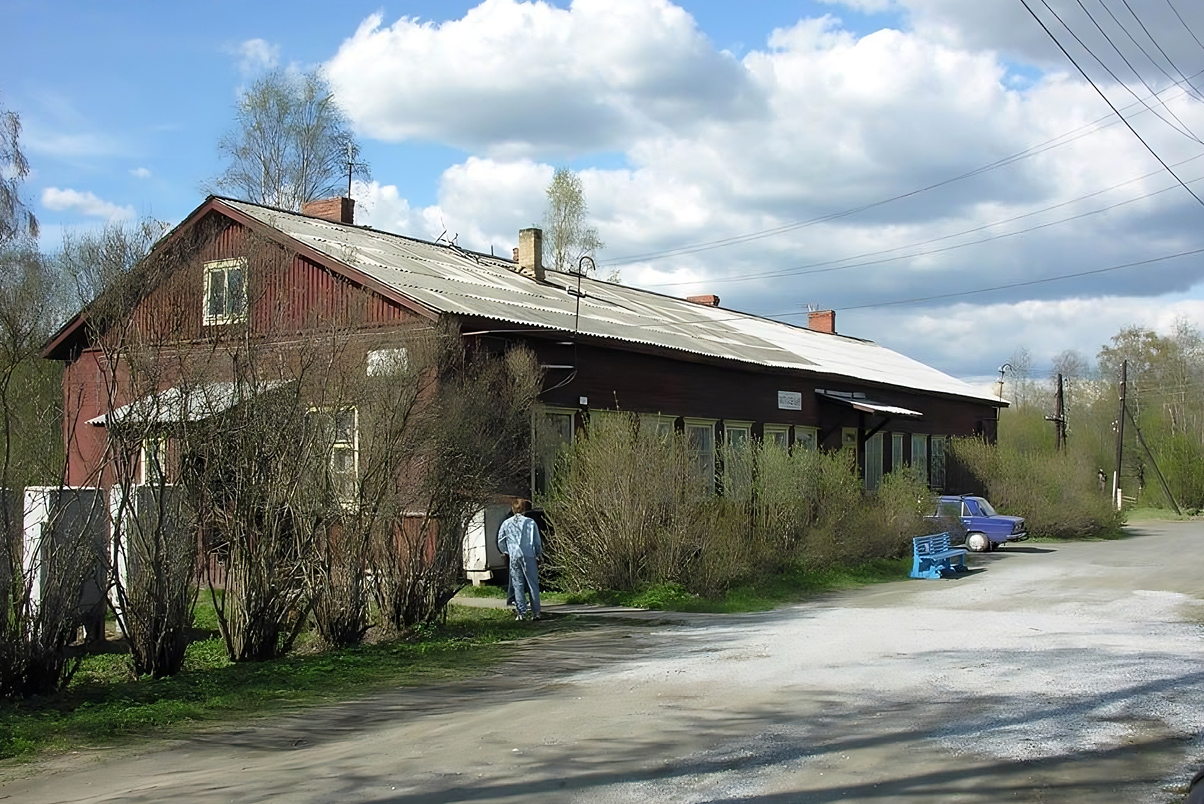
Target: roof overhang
{"x":178,"y":405}
{"x":858,"y":402}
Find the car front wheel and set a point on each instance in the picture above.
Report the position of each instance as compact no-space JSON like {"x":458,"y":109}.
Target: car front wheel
{"x":978,"y":542}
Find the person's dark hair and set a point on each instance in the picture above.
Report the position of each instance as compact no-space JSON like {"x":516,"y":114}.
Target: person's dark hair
{"x":520,"y":506}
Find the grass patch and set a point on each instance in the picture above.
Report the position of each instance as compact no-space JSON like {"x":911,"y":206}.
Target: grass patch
{"x":1144,"y":514}
{"x":796,"y":583}
{"x":105,"y":704}
{"x":498,"y":592}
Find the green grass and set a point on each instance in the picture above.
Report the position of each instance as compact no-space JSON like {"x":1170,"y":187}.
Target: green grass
{"x":498,"y":592}
{"x":1143,"y":514}
{"x":105,"y":704}
{"x":790,"y":586}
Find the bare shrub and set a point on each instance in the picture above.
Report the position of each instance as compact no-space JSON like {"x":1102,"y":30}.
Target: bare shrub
{"x":245,"y":471}
{"x":466,"y":436}
{"x":47,"y":586}
{"x":43,"y":581}
{"x":153,"y":532}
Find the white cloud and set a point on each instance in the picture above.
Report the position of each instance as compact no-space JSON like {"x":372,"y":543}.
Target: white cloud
{"x":256,"y":56}
{"x":140,"y":173}
{"x":527,"y":77}
{"x":821,"y":135}
{"x":85,"y":203}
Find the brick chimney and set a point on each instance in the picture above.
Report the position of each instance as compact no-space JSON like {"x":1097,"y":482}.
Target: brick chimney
{"x":822,"y":321}
{"x":705,"y":301}
{"x":530,"y":253}
{"x":338,"y":209}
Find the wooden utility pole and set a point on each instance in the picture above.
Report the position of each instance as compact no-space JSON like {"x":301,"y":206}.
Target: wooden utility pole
{"x":1120,"y":434}
{"x":1059,"y":417}
{"x":1161,"y":480}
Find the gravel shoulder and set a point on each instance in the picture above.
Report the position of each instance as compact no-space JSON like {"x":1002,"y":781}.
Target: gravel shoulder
{"x":1053,"y":673}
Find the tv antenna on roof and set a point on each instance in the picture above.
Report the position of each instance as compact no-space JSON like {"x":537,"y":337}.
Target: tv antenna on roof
{"x":352,"y":152}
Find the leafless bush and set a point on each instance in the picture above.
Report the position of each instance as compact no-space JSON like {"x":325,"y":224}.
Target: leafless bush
{"x":153,"y":536}
{"x":43,"y":582}
{"x":247,"y":470}
{"x":466,"y":437}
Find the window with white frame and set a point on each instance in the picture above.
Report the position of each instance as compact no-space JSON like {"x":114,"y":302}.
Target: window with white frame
{"x":658,"y":424}
{"x":806,"y":437}
{"x":153,"y":460}
{"x":225,"y":291}
{"x":896,"y":451}
{"x":919,"y":454}
{"x":873,"y":462}
{"x":936,"y":463}
{"x":776,"y":434}
{"x":848,"y":437}
{"x":737,"y":434}
{"x":388,"y":362}
{"x":554,"y":430}
{"x":737,"y":460}
{"x":701,"y":435}
{"x":337,"y":431}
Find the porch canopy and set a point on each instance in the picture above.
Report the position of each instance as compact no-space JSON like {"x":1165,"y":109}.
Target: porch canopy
{"x":177,"y":405}
{"x":858,"y":402}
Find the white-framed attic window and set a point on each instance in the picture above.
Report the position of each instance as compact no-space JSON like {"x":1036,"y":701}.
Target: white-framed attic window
{"x":225,"y":291}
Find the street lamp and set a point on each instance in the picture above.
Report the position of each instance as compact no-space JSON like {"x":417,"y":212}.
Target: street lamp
{"x":1004,"y":368}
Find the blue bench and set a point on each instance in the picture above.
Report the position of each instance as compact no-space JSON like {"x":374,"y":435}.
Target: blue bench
{"x":933,"y":558}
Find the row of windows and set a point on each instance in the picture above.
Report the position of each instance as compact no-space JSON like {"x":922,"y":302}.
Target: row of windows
{"x":555,"y":427}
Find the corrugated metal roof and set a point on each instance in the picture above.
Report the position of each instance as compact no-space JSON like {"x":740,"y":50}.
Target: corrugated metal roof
{"x":450,"y":280}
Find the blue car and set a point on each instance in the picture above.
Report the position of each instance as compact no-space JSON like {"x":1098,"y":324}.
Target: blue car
{"x":986,"y":529}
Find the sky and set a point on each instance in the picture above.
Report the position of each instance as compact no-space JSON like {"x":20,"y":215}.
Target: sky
{"x":939,"y":172}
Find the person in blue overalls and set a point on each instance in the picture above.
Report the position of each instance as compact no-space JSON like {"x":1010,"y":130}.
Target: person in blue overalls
{"x":518,"y":537}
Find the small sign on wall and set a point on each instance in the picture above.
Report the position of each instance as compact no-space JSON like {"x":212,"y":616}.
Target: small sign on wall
{"x":790,"y":400}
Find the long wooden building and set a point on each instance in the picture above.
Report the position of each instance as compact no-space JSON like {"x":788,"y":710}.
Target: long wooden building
{"x":688,"y":364}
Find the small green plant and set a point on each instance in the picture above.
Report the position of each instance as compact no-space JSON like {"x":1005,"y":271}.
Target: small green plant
{"x":1057,"y":493}
{"x":634,"y":512}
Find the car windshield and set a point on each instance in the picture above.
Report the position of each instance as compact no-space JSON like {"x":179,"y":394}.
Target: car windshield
{"x":986,"y":508}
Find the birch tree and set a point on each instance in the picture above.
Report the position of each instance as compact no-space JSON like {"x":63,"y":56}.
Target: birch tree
{"x":567,"y":233}
{"x":291,"y":143}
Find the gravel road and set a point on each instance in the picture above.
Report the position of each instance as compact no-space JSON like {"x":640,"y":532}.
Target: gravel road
{"x":1053,"y":673}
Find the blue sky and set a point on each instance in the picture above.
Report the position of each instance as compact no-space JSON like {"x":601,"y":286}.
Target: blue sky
{"x":690,"y":123}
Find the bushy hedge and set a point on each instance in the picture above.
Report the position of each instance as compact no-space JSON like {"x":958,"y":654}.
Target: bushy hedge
{"x":1058,"y":494}
{"x":630,"y":510}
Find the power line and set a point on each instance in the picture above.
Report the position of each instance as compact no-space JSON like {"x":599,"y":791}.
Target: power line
{"x":1087,"y":129}
{"x":1150,"y":36}
{"x":1105,"y":98}
{"x":820,"y":267}
{"x":1184,"y":130}
{"x":1030,"y":282}
{"x":935,"y":297}
{"x":1186,"y":27}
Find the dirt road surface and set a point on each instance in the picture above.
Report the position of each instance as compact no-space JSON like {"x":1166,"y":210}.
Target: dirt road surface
{"x":1056,"y":673}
